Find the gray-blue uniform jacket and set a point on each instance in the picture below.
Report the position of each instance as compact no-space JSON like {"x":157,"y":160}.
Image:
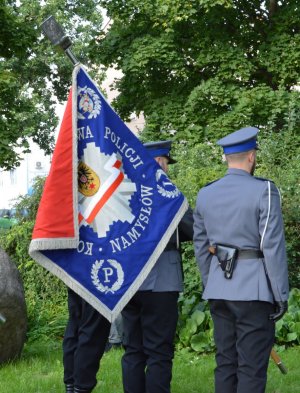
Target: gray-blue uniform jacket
{"x":166,"y":275}
{"x":243,"y":211}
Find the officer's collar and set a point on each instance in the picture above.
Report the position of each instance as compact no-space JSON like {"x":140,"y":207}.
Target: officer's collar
{"x":236,"y":171}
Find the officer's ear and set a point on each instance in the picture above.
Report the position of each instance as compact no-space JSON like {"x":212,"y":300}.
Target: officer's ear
{"x":163,"y":162}
{"x":252,"y":156}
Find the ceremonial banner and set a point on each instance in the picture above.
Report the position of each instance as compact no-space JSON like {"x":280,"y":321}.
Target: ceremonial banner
{"x":108,"y":209}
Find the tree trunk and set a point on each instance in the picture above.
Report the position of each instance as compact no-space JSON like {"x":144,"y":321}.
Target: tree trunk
{"x":273,"y":8}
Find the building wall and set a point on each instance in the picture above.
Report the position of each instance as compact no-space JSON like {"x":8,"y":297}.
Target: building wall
{"x":19,"y":180}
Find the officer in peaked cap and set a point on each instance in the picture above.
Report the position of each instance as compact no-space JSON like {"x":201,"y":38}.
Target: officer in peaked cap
{"x":240,"y":249}
{"x":150,"y":317}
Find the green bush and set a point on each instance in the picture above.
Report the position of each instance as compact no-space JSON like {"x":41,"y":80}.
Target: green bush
{"x":279,"y":160}
{"x":288,"y":328}
{"x":45,"y":295}
{"x":195,"y":326}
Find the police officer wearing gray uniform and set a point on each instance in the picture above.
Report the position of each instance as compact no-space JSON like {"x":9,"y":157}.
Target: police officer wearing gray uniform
{"x":240,"y":249}
{"x":150,"y":317}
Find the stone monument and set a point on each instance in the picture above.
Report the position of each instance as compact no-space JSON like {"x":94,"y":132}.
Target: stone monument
{"x":13,"y":315}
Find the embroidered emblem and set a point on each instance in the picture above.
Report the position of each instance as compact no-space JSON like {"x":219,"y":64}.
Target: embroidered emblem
{"x":111,"y":277}
{"x":89,"y":105}
{"x":111,"y":202}
{"x":166,"y":188}
{"x":88,"y":180}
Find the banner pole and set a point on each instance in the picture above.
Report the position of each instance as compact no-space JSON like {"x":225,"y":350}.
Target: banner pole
{"x":278,"y":361}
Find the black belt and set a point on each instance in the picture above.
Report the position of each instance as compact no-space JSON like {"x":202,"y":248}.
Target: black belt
{"x":250,"y":254}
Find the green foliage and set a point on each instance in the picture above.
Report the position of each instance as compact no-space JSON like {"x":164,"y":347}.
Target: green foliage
{"x":34,"y":75}
{"x":288,"y":328}
{"x":203,"y":68}
{"x":197,"y":165}
{"x":30,"y":203}
{"x":192,"y":279}
{"x":195,"y":327}
{"x":279,"y":160}
{"x":45,"y":295}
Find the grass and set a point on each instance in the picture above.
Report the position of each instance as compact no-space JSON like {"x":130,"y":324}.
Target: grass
{"x":40,"y":371}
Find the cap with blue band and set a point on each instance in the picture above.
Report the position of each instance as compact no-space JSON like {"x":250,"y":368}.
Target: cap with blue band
{"x":158,"y":152}
{"x":240,"y":141}
{"x":160,"y":149}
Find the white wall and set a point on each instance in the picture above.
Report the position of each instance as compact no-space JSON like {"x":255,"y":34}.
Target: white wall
{"x":18,"y":181}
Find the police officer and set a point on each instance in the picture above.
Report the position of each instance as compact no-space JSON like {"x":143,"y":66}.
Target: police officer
{"x":83,"y":345}
{"x":150,"y":317}
{"x":240,"y":249}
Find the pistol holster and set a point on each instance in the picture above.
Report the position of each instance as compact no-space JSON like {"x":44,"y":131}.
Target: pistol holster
{"x":227,"y":256}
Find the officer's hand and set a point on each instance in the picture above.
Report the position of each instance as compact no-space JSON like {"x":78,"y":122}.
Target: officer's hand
{"x":280,"y":309}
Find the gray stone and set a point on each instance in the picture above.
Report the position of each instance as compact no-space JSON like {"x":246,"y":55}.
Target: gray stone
{"x":13,"y":323}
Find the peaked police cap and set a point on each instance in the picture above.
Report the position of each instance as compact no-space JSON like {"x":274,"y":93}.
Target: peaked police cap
{"x":160,"y":149}
{"x":240,"y":141}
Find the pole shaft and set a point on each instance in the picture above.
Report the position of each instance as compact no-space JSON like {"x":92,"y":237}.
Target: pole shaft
{"x":72,"y":57}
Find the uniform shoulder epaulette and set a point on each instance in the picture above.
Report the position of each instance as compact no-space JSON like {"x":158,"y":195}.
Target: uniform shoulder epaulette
{"x":263,"y":179}
{"x":211,"y":182}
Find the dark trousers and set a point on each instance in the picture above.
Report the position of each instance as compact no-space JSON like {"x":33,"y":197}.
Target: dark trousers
{"x":244,"y":337}
{"x":84,"y":343}
{"x":149,"y":322}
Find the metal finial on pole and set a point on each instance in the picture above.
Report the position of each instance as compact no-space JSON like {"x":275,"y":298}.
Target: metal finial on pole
{"x":57,"y":36}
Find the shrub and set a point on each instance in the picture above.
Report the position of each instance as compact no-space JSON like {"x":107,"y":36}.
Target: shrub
{"x":288,"y":328}
{"x":45,"y":295}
